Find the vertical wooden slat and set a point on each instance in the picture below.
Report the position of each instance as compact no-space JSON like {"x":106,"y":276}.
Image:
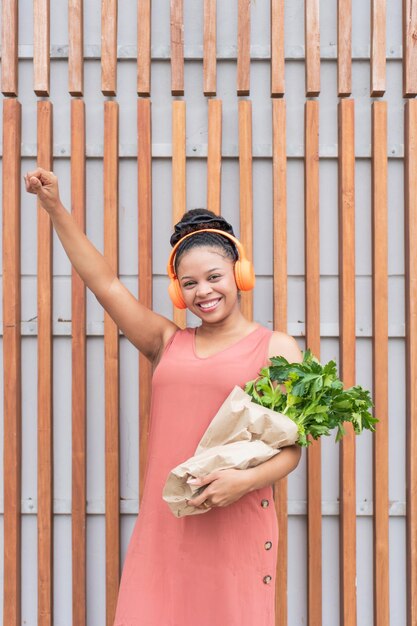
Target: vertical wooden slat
{"x":344,"y":47}
{"x":12,"y":119}
{"x":279,"y":182}
{"x":45,"y":420}
{"x":41,"y":35}
{"x":409,"y":48}
{"x":312,"y":307}
{"x":347,"y":533}
{"x":144,"y":270}
{"x":378,"y":43}
{"x":76,"y":47}
{"x":144,"y":48}
{"x":214,"y":155}
{"x":245,"y":193}
{"x":312,"y":47}
{"x":9,"y":43}
{"x":109,"y":47}
{"x":111,"y":362}
{"x":243,"y":48}
{"x":177,"y":47}
{"x":179,"y":195}
{"x":380,"y":361}
{"x":209,"y":48}
{"x":410,"y":225}
{"x":277,"y":48}
{"x":78,"y":392}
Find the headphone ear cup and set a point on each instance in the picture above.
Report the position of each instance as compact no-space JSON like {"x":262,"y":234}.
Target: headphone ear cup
{"x":175,"y":294}
{"x":244,"y":275}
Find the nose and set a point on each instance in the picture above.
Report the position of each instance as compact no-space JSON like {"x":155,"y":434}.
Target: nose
{"x":203,"y":288}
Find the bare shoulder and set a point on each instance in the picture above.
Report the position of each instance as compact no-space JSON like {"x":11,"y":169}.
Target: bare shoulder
{"x":282,"y":344}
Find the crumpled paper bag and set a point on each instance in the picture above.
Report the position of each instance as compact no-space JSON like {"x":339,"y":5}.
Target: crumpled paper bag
{"x":242,"y":434}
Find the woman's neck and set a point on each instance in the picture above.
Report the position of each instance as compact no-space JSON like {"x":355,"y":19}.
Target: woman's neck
{"x":233,"y":324}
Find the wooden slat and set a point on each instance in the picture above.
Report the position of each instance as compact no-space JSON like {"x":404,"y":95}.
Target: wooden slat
{"x":9,"y":43}
{"x":277,"y":48}
{"x":378,"y":44}
{"x":312,"y":308}
{"x":380,"y":361}
{"x":144,"y":48}
{"x":144,"y":270}
{"x":78,"y":392}
{"x":409,"y":48}
{"x":41,"y":70}
{"x":279,"y":182}
{"x":179,"y":199}
{"x":109,"y":47}
{"x":347,"y":533}
{"x":410,"y":226}
{"x":214,"y":155}
{"x":111,"y":362}
{"x":12,"y":119}
{"x":344,"y":48}
{"x":45,"y":419}
{"x":312,"y":47}
{"x":243,"y":48}
{"x":177,"y":47}
{"x":245,"y":194}
{"x":76,"y":47}
{"x":209,"y":48}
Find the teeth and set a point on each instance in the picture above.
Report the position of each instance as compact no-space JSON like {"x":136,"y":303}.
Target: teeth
{"x":208,"y":305}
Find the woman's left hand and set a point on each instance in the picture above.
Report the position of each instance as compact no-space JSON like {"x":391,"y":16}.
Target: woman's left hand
{"x":224,"y":487}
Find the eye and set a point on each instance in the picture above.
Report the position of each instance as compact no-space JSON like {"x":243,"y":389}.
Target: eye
{"x":214,"y":276}
{"x":189,"y":283}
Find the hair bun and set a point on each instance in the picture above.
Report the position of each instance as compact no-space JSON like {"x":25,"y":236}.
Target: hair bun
{"x":199,"y":219}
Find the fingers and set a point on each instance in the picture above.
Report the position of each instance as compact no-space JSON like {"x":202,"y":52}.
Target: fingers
{"x":38,"y":178}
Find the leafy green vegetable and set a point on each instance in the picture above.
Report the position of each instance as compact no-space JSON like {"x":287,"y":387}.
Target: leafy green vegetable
{"x":314,"y":397}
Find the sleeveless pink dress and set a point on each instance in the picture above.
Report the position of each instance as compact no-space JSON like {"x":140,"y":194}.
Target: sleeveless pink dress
{"x":213,"y":569}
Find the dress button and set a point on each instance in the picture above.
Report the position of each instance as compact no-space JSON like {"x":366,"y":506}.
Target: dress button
{"x":267,"y":579}
{"x":264,"y":503}
{"x":268,"y":545}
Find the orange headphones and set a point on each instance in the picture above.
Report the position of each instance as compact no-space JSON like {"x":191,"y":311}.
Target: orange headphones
{"x":243,"y":268}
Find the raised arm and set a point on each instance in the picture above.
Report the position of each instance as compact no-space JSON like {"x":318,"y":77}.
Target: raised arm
{"x":147,"y":330}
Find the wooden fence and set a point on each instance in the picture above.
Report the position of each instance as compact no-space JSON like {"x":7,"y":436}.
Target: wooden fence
{"x":11,"y":200}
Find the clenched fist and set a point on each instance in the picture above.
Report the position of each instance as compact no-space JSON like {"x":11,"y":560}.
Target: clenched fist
{"x":45,"y":185}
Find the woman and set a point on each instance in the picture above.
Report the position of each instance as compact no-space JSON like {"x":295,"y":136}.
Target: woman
{"x":216,"y":569}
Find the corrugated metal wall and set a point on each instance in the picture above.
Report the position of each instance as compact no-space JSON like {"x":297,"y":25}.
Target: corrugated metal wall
{"x":196,"y":195}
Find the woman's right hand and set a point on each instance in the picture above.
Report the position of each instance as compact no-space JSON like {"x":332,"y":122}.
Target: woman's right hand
{"x":45,"y":185}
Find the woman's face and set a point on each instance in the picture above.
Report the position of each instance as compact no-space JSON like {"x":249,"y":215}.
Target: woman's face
{"x":208,"y":283}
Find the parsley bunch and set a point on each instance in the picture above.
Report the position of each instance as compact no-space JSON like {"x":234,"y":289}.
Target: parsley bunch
{"x":315,"y":399}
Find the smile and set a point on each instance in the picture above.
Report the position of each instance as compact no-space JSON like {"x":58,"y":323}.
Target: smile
{"x":209,"y":306}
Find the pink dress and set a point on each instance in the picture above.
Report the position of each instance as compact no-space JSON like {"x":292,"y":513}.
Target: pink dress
{"x":216,"y":568}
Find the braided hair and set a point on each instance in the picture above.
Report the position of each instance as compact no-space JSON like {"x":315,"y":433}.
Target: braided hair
{"x":200,"y":219}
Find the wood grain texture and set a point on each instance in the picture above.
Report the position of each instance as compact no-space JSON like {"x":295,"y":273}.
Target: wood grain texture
{"x":410,"y":234}
{"x":312,"y":308}
{"x":409,"y":48}
{"x":12,"y":426}
{"x":277,"y":48}
{"x":280,"y":279}
{"x":45,"y":415}
{"x":312,"y":47}
{"x":9,"y":43}
{"x":344,"y":48}
{"x":111,"y":362}
{"x":41,"y":42}
{"x":378,"y":47}
{"x":144,"y":48}
{"x":380,"y":361}
{"x":144,"y":270}
{"x":76,"y":47}
{"x":214,"y":155}
{"x":245,"y":194}
{"x":109,"y":47}
{"x":209,"y":48}
{"x":179,"y":191}
{"x":177,"y":47}
{"x":78,"y":375}
{"x":347,"y":533}
{"x":243,"y":48}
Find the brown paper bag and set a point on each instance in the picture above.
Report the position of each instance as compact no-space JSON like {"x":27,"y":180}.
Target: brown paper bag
{"x":242,"y":434}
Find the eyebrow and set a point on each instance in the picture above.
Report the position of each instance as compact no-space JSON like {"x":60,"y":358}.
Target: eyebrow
{"x":208,"y":272}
